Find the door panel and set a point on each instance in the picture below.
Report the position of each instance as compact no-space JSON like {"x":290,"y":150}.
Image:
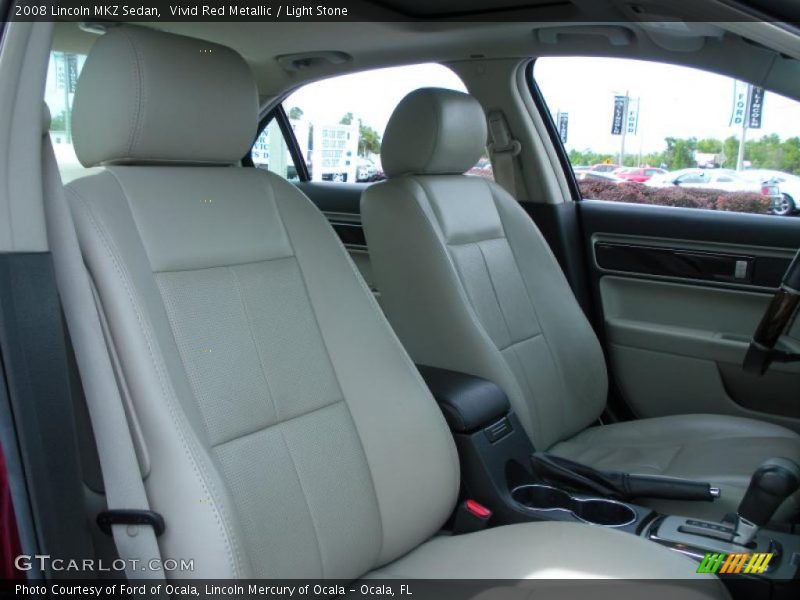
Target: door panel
{"x":680,"y":292}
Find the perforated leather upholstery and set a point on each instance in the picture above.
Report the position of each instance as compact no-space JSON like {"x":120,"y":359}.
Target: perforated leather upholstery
{"x":284,"y":431}
{"x":469,"y":284}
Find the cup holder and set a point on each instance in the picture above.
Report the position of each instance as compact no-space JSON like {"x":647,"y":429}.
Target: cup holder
{"x":599,"y":511}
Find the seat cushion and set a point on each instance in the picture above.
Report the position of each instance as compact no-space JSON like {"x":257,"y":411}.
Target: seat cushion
{"x":544,"y":550}
{"x":718,"y":449}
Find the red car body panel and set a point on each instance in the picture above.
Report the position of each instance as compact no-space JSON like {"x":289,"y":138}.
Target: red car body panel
{"x":9,"y":538}
{"x":638,"y":175}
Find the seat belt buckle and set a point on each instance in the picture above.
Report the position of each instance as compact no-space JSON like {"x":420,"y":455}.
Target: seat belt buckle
{"x":130,"y":516}
{"x":470,"y":516}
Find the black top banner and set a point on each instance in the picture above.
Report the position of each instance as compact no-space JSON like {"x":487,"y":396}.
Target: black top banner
{"x":756,"y":107}
{"x":618,"y":120}
{"x":538,"y":11}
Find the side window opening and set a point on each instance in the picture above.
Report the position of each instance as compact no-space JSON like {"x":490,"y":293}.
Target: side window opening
{"x":62,"y":77}
{"x":339,"y":124}
{"x":661,"y":134}
{"x":271,"y":152}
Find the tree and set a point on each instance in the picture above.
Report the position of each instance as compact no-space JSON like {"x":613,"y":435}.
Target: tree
{"x":369,"y":140}
{"x":58,"y":122}
{"x":589,"y":157}
{"x":790,"y":161}
{"x":680,"y":153}
{"x":347,"y":119}
{"x":295,"y":113}
{"x":709,"y":146}
{"x":730,"y":148}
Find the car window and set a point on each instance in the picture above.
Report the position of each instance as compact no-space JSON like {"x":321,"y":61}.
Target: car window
{"x":658,"y":116}
{"x":62,"y":76}
{"x":339,"y":123}
{"x":691,"y":178}
{"x":270,"y":151}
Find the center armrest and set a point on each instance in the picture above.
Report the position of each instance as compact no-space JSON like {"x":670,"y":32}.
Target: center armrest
{"x":468,"y":402}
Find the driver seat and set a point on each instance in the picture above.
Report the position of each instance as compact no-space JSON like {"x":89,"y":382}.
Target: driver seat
{"x":469,"y":284}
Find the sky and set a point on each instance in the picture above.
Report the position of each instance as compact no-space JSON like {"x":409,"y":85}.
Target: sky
{"x":675,"y":101}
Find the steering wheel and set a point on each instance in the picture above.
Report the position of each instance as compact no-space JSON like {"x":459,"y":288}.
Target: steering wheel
{"x":778,"y":317}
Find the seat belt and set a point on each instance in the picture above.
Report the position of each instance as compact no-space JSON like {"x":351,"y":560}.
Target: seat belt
{"x":504,"y":150}
{"x":128,"y":518}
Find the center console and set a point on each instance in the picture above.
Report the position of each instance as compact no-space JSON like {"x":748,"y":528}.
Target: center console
{"x":495,"y":455}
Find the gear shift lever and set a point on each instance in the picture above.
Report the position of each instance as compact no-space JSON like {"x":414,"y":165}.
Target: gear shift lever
{"x":774,"y":481}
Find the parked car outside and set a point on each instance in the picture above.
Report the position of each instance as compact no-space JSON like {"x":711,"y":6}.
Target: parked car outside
{"x":788,"y":186}
{"x":598,"y":176}
{"x":638,"y":174}
{"x":365,"y":169}
{"x":715,"y":179}
{"x":605,"y":168}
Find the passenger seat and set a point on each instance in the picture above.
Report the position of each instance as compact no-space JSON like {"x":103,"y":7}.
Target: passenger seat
{"x":286,"y":432}
{"x":469,"y":284}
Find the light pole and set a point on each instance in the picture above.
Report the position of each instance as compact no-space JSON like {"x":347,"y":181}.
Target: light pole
{"x":626,"y":103}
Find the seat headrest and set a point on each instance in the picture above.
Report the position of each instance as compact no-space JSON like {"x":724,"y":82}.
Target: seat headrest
{"x":150,"y":97}
{"x":434,"y":131}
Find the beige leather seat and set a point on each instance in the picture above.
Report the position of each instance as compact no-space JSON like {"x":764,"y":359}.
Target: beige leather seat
{"x":284,"y":430}
{"x":469,"y":284}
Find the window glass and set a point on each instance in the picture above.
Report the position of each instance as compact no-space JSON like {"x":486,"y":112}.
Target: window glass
{"x":683,"y":126}
{"x":62,"y":76}
{"x":272,"y":153}
{"x":339,"y":123}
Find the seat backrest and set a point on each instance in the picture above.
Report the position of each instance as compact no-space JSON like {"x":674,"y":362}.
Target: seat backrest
{"x":284,"y":432}
{"x":465,"y":277}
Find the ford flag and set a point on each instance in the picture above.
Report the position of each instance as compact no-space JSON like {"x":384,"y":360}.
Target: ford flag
{"x":632,"y":123}
{"x":738,"y":114}
{"x":620,"y":104}
{"x":563,"y":124}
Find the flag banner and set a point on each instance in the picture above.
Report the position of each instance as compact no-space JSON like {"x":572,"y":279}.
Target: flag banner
{"x":632,"y":123}
{"x":620,"y":106}
{"x":61,"y":72}
{"x":739,"y":111}
{"x":756,"y":107}
{"x":563,"y":125}
{"x":72,"y":72}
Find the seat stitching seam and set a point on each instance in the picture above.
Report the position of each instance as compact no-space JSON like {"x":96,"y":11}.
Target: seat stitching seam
{"x":462,"y":293}
{"x":518,"y":342}
{"x":277,"y":424}
{"x":489,"y":239}
{"x":494,"y":292}
{"x":314,"y":525}
{"x":527,"y":384}
{"x":333,"y":366}
{"x":238,"y":285}
{"x":565,"y":387}
{"x":135,"y":118}
{"x":233,"y":264}
{"x":199,"y":468}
